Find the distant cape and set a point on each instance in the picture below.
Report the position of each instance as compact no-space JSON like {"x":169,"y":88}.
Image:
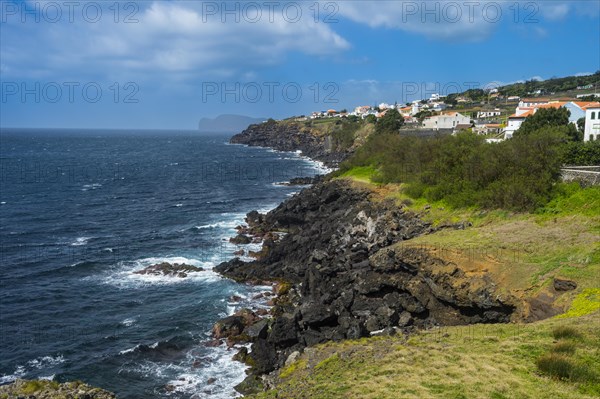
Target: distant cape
{"x":227,"y":123}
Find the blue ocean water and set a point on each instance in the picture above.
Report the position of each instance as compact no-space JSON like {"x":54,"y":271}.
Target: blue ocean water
{"x":81,"y":210}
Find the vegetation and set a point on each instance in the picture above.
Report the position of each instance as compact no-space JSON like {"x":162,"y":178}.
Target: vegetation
{"x":479,"y":361}
{"x":582,"y":153}
{"x":550,"y":119}
{"x":553,"y":85}
{"x":588,"y":301}
{"x":464,"y":170}
{"x":391,"y":122}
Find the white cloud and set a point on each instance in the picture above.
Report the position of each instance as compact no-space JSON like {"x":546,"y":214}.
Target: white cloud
{"x":447,"y":20}
{"x":465,"y":21}
{"x":170,"y":37}
{"x":554,"y":11}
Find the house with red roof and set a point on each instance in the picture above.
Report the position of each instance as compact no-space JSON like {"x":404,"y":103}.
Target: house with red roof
{"x":592,"y":122}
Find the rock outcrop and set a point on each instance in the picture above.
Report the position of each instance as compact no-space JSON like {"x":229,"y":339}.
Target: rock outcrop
{"x":180,"y":270}
{"x":351,"y":274}
{"x":41,"y":389}
{"x":291,"y":137}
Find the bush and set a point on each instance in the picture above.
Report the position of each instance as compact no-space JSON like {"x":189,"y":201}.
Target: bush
{"x":464,"y":170}
{"x":564,"y":347}
{"x":567,"y":332}
{"x":579,"y":153}
{"x":561,"y":367}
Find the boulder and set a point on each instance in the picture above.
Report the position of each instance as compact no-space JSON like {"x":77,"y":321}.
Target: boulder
{"x":564,"y":285}
{"x":264,"y":356}
{"x":169,"y":269}
{"x":284,"y":332}
{"x":228,"y":327}
{"x":240,"y":239}
{"x":258,"y":330}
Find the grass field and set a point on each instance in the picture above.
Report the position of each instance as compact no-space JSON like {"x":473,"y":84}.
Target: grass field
{"x":555,"y":358}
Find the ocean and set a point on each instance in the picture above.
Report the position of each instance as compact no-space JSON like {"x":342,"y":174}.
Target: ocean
{"x":81,"y":210}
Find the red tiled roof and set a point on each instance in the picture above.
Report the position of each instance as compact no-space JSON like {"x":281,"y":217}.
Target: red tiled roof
{"x":592,"y":105}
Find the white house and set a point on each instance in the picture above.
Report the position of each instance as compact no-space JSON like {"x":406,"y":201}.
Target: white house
{"x":515,"y":121}
{"x":532,"y":102}
{"x":592,"y":122}
{"x":438,"y":106}
{"x":486,"y":113}
{"x":447,"y":120}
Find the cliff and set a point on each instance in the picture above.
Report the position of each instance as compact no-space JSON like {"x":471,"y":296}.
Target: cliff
{"x":351,"y":274}
{"x":315,"y":143}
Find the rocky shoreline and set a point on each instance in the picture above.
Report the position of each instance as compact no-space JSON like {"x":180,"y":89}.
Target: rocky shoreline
{"x":283,"y":137}
{"x":344,"y":272}
{"x":43,"y":389}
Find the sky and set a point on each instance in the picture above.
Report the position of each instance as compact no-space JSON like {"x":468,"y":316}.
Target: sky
{"x":166,"y":64}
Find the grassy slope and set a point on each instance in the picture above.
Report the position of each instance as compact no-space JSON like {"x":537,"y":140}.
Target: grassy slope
{"x":523,"y":252}
{"x":482,"y":361}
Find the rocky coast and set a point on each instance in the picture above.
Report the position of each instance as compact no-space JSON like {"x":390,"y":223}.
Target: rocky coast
{"x":344,"y":269}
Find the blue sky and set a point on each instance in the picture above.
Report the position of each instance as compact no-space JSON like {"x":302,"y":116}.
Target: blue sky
{"x":166,"y":64}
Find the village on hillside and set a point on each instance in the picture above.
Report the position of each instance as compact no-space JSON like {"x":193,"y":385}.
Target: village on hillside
{"x":497,"y":117}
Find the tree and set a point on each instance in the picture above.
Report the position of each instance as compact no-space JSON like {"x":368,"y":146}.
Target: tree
{"x":421,"y":115}
{"x":546,"y":118}
{"x":391,"y":122}
{"x":581,"y":124}
{"x":371,"y":118}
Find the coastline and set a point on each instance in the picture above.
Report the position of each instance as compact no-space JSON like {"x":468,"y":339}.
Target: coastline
{"x":261,"y":302}
{"x":345,"y":277}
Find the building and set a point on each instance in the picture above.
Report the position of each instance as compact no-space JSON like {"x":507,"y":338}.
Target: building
{"x":577,"y":109}
{"x":515,"y":121}
{"x":447,"y":120}
{"x":533,"y":102}
{"x":462,"y":126}
{"x":592,"y":122}
{"x":438,"y":106}
{"x":405,"y":111}
{"x":488,"y":128}
{"x":487,"y":113}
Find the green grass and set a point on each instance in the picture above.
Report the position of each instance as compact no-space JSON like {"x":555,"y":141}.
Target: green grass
{"x":572,"y":199}
{"x":565,"y":332}
{"x":361,"y":173}
{"x":32,"y":386}
{"x":479,"y":361}
{"x":588,"y":301}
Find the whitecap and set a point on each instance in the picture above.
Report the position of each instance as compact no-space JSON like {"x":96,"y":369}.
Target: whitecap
{"x":93,"y":186}
{"x":45,"y":361}
{"x":80,"y":241}
{"x":39,"y":363}
{"x":123,"y":276}
{"x":129,"y":321}
{"x":8,"y":378}
{"x":221,"y":369}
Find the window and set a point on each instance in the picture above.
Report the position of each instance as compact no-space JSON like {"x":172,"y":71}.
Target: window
{"x":593,"y":115}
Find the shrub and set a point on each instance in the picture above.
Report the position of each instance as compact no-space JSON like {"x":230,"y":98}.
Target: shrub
{"x":565,"y":332}
{"x":578,"y":153}
{"x":517,"y":174}
{"x":561,"y":367}
{"x":564,"y":347}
